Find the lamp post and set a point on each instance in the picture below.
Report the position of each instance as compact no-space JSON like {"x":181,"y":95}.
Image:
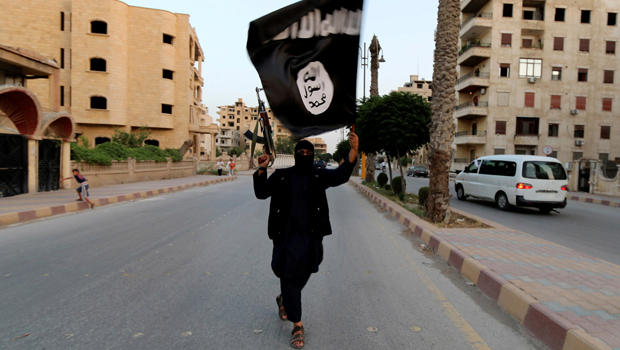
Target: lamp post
{"x":364,"y":58}
{"x":369,"y":161}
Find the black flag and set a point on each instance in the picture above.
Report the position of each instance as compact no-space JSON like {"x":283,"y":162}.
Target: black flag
{"x":306,"y":57}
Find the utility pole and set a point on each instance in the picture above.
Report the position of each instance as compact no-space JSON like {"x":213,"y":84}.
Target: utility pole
{"x":374,"y":49}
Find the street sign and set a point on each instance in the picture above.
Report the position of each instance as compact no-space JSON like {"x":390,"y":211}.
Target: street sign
{"x":547,"y":150}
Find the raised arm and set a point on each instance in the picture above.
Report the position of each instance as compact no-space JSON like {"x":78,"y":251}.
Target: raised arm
{"x":342,"y":174}
{"x":262,"y":188}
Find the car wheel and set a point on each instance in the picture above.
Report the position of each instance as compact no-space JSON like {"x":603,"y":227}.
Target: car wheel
{"x":502,"y":201}
{"x":460,"y":193}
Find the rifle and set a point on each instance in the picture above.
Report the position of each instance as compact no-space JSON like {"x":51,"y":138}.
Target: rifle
{"x":267,"y":139}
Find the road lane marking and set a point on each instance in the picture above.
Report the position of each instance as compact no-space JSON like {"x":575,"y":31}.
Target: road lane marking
{"x":471,"y":336}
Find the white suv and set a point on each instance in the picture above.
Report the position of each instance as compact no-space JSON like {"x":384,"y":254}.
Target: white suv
{"x":523,"y":181}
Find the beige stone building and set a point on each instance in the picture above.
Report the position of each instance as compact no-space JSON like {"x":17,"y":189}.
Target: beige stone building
{"x":121,"y":66}
{"x":319,"y":145}
{"x":538,"y":76}
{"x":238,"y":118}
{"x":418,"y":86}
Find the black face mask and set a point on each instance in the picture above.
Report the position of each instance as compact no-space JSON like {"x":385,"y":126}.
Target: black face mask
{"x":304,"y":163}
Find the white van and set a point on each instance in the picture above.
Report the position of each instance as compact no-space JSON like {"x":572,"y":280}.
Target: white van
{"x":518,"y":180}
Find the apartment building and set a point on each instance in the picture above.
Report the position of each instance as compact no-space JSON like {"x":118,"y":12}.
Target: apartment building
{"x":238,"y":118}
{"x":320,"y":147}
{"x":418,"y":86}
{"x":121,"y":67}
{"x":538,"y":77}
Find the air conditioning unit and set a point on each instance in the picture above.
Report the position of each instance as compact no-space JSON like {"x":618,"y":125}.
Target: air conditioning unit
{"x":531,"y":80}
{"x":574,"y":112}
{"x":579,"y":142}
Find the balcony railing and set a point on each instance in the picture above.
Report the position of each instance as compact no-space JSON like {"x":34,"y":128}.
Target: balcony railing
{"x":471,"y":104}
{"x":473,"y":45}
{"x":470,"y":133}
{"x":460,"y":160}
{"x":481,"y":75}
{"x":480,"y":15}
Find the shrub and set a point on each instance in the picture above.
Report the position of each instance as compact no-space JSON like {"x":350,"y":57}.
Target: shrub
{"x":114,"y":150}
{"x":397,"y":186}
{"x":148,"y":152}
{"x":388,"y":187}
{"x":174,"y":154}
{"x":382,"y":179}
{"x":423,"y":195}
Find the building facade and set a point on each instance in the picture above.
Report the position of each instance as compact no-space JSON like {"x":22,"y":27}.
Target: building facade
{"x":538,"y":77}
{"x":236,"y":119}
{"x":320,"y":147}
{"x":418,"y":86}
{"x":121,"y":67}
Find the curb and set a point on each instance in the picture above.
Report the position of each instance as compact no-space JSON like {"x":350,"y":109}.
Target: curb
{"x":605,"y":202}
{"x":544,"y":324}
{"x":43,"y":212}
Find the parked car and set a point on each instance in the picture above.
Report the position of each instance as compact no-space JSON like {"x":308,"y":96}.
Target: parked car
{"x":320,"y":164}
{"x":417,"y":171}
{"x":515,"y":180}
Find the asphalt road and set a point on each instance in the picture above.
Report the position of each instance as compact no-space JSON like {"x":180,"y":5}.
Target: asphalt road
{"x":190,"y":270}
{"x":588,"y":228}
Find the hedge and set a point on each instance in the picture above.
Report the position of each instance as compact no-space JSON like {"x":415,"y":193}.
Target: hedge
{"x":105,"y":153}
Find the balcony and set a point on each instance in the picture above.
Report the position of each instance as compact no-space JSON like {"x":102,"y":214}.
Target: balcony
{"x":472,"y":81}
{"x":469,"y":110}
{"x":473,"y":54}
{"x":472,"y":6}
{"x":475,"y":27}
{"x":469,"y":138}
{"x":526,"y":140}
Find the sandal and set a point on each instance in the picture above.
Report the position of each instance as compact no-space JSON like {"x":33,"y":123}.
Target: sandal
{"x":281,"y":311}
{"x":298,"y":337}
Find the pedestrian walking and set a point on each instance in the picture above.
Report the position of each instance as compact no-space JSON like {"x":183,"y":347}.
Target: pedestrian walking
{"x":220,"y":166}
{"x":232,"y":167}
{"x":82,"y":189}
{"x":298,"y":221}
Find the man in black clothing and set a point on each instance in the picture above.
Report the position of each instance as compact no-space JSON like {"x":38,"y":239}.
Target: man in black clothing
{"x":298,"y":221}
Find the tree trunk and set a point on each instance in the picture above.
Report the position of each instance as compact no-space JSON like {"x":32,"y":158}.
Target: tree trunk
{"x":402,"y":176}
{"x":442,"y":105}
{"x":389,"y":168}
{"x":370,"y":167}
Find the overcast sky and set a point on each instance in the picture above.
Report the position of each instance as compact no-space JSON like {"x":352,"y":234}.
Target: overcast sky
{"x":404,"y":27}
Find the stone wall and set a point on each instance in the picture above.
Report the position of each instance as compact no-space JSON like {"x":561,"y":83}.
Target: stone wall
{"x":121,"y":172}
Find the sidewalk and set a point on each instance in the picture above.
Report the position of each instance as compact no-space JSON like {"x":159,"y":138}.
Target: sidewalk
{"x":568,"y":300}
{"x":33,"y":206}
{"x":610,"y":201}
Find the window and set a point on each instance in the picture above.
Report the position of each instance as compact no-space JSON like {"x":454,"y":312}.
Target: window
{"x":167,"y":39}
{"x":62,"y":21}
{"x":580,"y":103}
{"x":152,"y":142}
{"x":585,"y":16}
{"x":610,"y":47}
{"x":504,"y":70}
{"x":558,"y":44}
{"x":503,"y":99}
{"x":472,"y":168}
{"x":166,"y":109}
{"x":526,"y":43}
{"x":542,"y":170}
{"x":582,"y":74}
{"x":554,"y":130}
{"x":584,"y":45}
{"x":527,"y":126}
{"x":420,"y":86}
{"x":98,"y":27}
{"x":98,"y":102}
{"x":579,"y":131}
{"x":500,"y":127}
{"x":506,"y":39}
{"x":62,"y":58}
{"x":498,"y":168}
{"x":556,"y":102}
{"x":238,"y":120}
{"x":560,"y":14}
{"x":608,"y":77}
{"x":529,"y":99}
{"x":167,"y":74}
{"x":607,"y":104}
{"x":231,"y":124}
{"x":604,"y":157}
{"x":612,"y":18}
{"x":238,"y":112}
{"x":98,"y":64}
{"x":530,"y":67}
{"x":577,"y":155}
{"x":499,"y":151}
{"x":100,"y":140}
{"x":556,"y":73}
{"x":62,"y":95}
{"x":507,"y":10}
{"x":528,"y":14}
{"x":605,"y":132}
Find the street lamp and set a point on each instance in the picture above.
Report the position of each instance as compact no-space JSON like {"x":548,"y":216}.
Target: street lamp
{"x":364,"y":59}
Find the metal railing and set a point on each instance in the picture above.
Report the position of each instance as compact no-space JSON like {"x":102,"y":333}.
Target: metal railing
{"x":471,"y":104}
{"x":480,"y":15}
{"x":470,"y":133}
{"x":482,"y":75}
{"x":472,"y":45}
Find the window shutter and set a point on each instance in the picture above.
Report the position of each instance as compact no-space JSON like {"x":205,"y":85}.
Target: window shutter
{"x":607,"y":104}
{"x":610,"y":47}
{"x":500,"y":127}
{"x":556,"y":101}
{"x":581,"y":103}
{"x":506,"y":39}
{"x":605,"y":132}
{"x":558,"y":44}
{"x":609,"y":77}
{"x":529,"y":99}
{"x":584,"y":45}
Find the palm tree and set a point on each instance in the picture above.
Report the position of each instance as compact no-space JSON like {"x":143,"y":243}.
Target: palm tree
{"x":442,"y":105}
